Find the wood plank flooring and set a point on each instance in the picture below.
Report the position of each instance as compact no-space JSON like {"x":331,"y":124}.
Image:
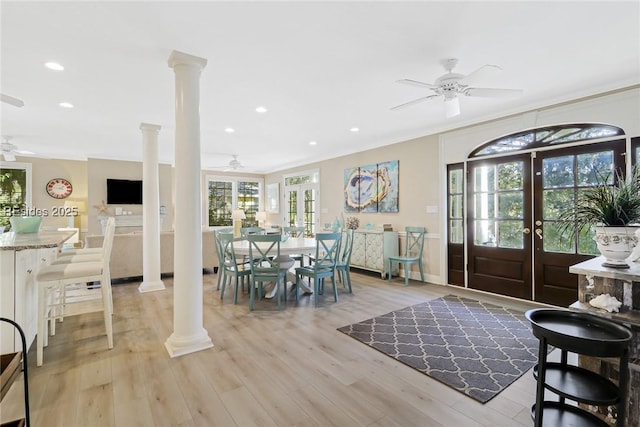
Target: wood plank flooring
{"x":268,"y":367}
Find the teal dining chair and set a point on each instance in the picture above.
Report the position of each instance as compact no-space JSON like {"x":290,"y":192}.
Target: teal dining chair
{"x":238,"y":270}
{"x":219,"y":253}
{"x":326,"y":257}
{"x":414,"y":245}
{"x":344,"y":260}
{"x":264,"y":253}
{"x":246,"y":231}
{"x":294,"y":232}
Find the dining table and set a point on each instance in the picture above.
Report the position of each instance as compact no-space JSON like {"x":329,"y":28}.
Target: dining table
{"x":289,"y":246}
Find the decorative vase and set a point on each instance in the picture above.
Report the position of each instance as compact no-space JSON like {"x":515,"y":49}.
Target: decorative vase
{"x":616,"y":244}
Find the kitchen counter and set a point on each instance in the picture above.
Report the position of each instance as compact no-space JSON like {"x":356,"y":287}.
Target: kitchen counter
{"x":43,"y":239}
{"x":21,"y":256}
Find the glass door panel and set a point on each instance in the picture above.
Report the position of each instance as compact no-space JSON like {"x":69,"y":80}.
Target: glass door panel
{"x":500,"y":248}
{"x":560,"y":176}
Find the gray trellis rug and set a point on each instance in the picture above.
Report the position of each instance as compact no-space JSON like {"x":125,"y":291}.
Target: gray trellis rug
{"x":476,"y":348}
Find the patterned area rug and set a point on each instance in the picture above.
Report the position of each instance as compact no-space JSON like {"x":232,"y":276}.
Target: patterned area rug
{"x":476,"y":348}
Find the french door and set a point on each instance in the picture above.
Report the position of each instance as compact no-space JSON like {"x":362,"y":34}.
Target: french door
{"x":300,"y":202}
{"x":513,"y":209}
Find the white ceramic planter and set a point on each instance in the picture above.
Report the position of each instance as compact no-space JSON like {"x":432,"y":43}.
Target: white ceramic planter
{"x":616,"y":244}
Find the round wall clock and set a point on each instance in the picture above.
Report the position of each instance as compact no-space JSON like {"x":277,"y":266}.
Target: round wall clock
{"x":59,"y":188}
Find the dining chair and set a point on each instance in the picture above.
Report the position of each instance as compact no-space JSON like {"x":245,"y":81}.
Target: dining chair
{"x":246,"y":231}
{"x":264,"y":253}
{"x":344,"y":260}
{"x":414,"y":245}
{"x":63,"y":291}
{"x":233,"y":269}
{"x":219,"y":253}
{"x":326,"y":257}
{"x":294,"y":232}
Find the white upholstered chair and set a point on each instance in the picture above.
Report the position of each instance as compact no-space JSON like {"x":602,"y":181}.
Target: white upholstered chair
{"x":63,"y":291}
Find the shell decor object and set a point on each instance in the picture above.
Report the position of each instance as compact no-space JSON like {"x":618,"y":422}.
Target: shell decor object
{"x":606,"y":302}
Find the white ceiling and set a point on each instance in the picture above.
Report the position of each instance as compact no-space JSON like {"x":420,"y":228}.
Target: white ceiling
{"x":320,"y":68}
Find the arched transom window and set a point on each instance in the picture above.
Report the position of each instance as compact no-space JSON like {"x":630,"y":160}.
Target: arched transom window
{"x":546,"y":136}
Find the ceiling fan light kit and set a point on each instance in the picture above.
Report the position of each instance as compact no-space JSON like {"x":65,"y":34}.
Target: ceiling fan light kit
{"x":451,"y":84}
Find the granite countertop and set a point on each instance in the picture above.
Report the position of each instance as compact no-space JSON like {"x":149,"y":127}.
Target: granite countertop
{"x":593,"y":267}
{"x":43,"y":239}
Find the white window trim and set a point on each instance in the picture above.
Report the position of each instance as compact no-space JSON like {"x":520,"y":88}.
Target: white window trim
{"x":27,"y":167}
{"x":233,"y":179}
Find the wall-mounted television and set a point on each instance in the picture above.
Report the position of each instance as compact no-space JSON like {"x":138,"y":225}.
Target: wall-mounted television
{"x":124,"y":192}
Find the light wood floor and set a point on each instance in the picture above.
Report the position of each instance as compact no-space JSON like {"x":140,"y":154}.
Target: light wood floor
{"x":268,"y":368}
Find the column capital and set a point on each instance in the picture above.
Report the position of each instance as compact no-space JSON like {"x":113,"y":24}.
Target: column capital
{"x":181,"y":58}
{"x":149,"y":126}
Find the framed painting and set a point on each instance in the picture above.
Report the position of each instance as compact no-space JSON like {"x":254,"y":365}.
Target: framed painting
{"x":372,"y":188}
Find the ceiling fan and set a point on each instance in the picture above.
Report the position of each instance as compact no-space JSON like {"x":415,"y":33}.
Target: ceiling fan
{"x":233,"y":164}
{"x":11,"y":100}
{"x":10,"y":150}
{"x":450,"y":85}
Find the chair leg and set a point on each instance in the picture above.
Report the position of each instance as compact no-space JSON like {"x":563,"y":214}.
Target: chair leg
{"x":316,"y":290}
{"x":406,"y":274}
{"x":42,"y":321}
{"x":389,"y":272}
{"x":421,"y":272}
{"x":335,"y":288}
{"x":347,"y":275}
{"x":235,"y":290}
{"x":252,"y":294}
{"x":104,"y":289}
{"x":224,"y":286}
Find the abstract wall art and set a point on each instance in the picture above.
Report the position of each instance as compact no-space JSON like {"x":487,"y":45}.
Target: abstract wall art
{"x":372,"y":188}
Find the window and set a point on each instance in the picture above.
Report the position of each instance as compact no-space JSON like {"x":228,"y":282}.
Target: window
{"x":15,"y":190}
{"x":224,"y":194}
{"x":546,"y":136}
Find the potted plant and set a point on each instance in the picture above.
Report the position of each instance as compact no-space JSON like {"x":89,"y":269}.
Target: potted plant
{"x":612,"y":210}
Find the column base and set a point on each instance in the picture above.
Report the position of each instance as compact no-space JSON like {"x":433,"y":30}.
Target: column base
{"x":156,"y":285}
{"x":179,"y":346}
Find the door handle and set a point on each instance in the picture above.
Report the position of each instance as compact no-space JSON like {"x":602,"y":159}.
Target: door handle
{"x":526,"y":231}
{"x":539,"y":232}
{"x":538,"y":223}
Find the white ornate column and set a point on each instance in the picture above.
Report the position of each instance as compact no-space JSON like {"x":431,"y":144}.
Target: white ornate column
{"x":150,"y":210}
{"x":188,"y":334}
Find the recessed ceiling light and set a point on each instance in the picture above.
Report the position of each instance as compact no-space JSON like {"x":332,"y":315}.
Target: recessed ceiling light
{"x":313,"y":143}
{"x":261,"y":109}
{"x":355,"y":129}
{"x":54,"y":66}
{"x":66,"y":105}
{"x":229,"y":130}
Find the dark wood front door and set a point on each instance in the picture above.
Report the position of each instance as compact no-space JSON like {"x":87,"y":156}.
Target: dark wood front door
{"x":499,"y":225}
{"x":559,"y":176}
{"x":513,"y":220}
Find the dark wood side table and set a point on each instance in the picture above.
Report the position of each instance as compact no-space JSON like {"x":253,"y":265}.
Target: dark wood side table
{"x":583,"y":334}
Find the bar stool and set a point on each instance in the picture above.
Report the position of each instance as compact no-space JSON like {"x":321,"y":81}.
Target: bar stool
{"x":56,"y":291}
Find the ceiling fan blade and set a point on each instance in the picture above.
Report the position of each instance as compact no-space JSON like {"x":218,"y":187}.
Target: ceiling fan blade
{"x":451,"y":107}
{"x":484,"y":71}
{"x":9,"y":157}
{"x":416,"y":83}
{"x":491,"y":92}
{"x":414,"y":102}
{"x":11,"y":100}
{"x":25,"y":152}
